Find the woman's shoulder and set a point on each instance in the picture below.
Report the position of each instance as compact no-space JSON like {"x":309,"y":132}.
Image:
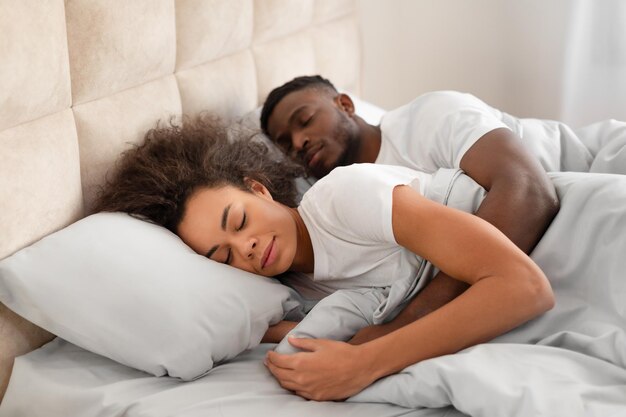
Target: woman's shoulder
{"x":354,"y":203}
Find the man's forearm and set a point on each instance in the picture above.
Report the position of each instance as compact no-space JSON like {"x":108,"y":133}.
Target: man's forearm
{"x":277,"y":332}
{"x":521,"y":210}
{"x":521,"y":200}
{"x":441,"y":290}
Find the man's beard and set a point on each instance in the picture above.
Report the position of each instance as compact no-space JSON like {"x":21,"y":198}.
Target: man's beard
{"x":346,"y":133}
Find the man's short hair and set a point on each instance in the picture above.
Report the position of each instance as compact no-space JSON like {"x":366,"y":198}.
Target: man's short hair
{"x":298,"y":83}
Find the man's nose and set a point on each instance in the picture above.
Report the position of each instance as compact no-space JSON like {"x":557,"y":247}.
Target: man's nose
{"x":300,"y":141}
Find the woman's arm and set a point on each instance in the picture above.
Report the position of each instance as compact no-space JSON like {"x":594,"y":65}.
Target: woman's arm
{"x":507,"y":289}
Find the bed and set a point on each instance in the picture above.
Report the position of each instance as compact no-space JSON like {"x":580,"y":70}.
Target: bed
{"x":83,"y":80}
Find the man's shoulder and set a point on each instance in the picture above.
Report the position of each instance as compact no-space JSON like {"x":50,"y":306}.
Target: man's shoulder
{"x":432,"y":109}
{"x":444,"y":99}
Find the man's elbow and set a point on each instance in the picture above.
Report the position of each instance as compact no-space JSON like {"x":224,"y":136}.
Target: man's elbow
{"x":551,"y":202}
{"x":544,"y":193}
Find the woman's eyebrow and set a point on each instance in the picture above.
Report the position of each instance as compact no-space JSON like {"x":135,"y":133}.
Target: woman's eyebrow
{"x":225,"y":216}
{"x":224,"y":223}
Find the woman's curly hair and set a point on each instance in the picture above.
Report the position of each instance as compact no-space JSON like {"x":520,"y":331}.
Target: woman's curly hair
{"x":154,"y":180}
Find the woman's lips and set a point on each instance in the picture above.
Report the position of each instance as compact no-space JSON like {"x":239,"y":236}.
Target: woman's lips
{"x":270,"y":254}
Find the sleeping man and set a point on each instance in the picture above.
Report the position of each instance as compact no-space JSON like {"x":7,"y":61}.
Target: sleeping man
{"x":509,"y":157}
{"x":314,"y":124}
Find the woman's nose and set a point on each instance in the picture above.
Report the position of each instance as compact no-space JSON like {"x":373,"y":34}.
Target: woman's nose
{"x":247,"y":246}
{"x":252,"y":246}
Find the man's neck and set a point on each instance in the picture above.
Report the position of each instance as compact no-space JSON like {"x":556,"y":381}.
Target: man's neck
{"x":370,"y":139}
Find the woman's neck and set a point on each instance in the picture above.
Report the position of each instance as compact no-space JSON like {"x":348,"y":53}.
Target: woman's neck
{"x":304,"y":260}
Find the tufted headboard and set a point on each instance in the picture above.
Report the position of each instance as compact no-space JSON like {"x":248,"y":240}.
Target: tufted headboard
{"x":81,"y":80}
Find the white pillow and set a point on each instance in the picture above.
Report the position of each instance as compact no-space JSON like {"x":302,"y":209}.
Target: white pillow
{"x":134,"y":292}
{"x":369,"y":112}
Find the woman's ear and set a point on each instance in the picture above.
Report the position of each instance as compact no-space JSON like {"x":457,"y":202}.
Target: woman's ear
{"x":345,"y":103}
{"x":258,"y":188}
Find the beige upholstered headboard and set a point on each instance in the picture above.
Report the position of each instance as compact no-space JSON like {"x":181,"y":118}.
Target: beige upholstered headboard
{"x":82,"y":79}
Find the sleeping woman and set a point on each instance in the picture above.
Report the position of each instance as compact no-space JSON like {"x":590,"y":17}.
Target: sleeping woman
{"x":362,"y":226}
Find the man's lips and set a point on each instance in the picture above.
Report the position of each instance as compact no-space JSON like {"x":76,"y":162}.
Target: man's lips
{"x":269,"y":256}
{"x":313,"y":156}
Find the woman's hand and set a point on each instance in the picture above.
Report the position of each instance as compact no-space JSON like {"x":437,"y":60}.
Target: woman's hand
{"x":328,"y":370}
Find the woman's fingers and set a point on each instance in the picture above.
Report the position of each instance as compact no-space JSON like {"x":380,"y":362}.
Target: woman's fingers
{"x":291,"y":361}
{"x":279,"y":360}
{"x":285,"y":378}
{"x":279,"y":373}
{"x":329,"y":370}
{"x":310,"y":345}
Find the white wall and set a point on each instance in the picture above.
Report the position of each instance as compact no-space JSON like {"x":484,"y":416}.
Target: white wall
{"x":510,"y":53}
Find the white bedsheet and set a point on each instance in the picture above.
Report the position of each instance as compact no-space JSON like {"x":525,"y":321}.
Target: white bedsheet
{"x":62,"y":380}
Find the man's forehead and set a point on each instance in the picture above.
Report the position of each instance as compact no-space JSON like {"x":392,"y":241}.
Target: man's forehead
{"x":304,"y":96}
{"x":292,"y":101}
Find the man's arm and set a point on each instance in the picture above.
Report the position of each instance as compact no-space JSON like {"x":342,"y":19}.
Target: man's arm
{"x":521,"y":199}
{"x":521,"y":202}
{"x":277,"y":332}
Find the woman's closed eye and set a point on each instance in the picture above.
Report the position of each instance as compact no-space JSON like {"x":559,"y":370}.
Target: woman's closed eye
{"x":215,"y":249}
{"x":243,"y":222}
{"x":229,"y":257}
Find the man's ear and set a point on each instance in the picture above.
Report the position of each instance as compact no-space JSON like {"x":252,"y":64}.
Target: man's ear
{"x":258,"y":188}
{"x":345,"y":103}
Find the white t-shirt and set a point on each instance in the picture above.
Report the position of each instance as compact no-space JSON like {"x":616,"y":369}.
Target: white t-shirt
{"x":436,"y":129}
{"x":348,"y":216}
